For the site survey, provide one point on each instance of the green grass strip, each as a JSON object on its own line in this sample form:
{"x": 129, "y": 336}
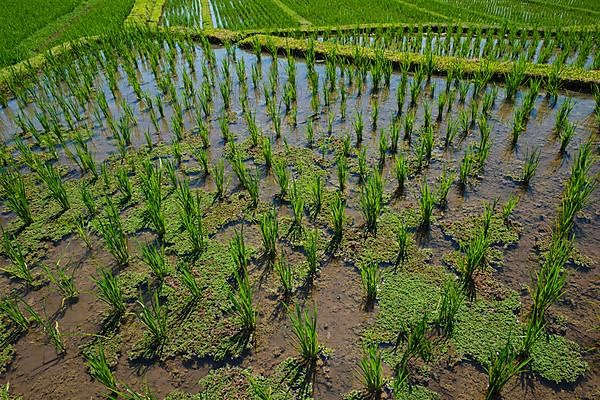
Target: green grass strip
{"x": 293, "y": 14}
{"x": 146, "y": 11}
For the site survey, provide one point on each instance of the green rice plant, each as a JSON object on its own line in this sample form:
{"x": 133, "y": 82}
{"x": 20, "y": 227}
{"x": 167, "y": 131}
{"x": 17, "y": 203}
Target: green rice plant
{"x": 562, "y": 115}
{"x": 417, "y": 345}
{"x": 267, "y": 152}
{"x": 15, "y": 198}
{"x": 359, "y": 126}
{"x": 394, "y": 137}
{"x": 342, "y": 171}
{"x": 151, "y": 188}
{"x": 304, "y": 327}
{"x": 502, "y": 367}
{"x": 55, "y": 337}
{"x": 427, "y": 141}
{"x": 297, "y": 205}
{"x": 519, "y": 124}
{"x": 311, "y": 243}
{"x": 218, "y": 173}
{"x": 374, "y": 113}
{"x": 64, "y": 282}
{"x": 310, "y": 132}
{"x": 466, "y": 167}
{"x": 124, "y": 184}
{"x": 426, "y": 204}
{"x": 446, "y": 181}
{"x": 282, "y": 175}
{"x": 269, "y": 230}
{"x": 13, "y": 250}
{"x": 403, "y": 239}
{"x": 409, "y": 122}
{"x": 338, "y": 209}
{"x": 252, "y": 185}
{"x": 383, "y": 148}
{"x": 238, "y": 252}
{"x": 242, "y": 303}
{"x": 188, "y": 280}
{"x": 201, "y": 156}
{"x": 10, "y": 308}
{"x": 401, "y": 171}
{"x": 531, "y": 163}
{"x": 109, "y": 291}
{"x": 154, "y": 257}
{"x": 371, "y": 199}
{"x": 370, "y": 276}
{"x": 565, "y": 135}
{"x": 111, "y": 229}
{"x": 533, "y": 331}
{"x": 316, "y": 191}
{"x": 473, "y": 259}
{"x": 372, "y": 372}
{"x": 448, "y": 307}
{"x": 285, "y": 274}
{"x": 100, "y": 369}
{"x": 51, "y": 177}
{"x": 508, "y": 208}
{"x": 154, "y": 317}
{"x": 514, "y": 78}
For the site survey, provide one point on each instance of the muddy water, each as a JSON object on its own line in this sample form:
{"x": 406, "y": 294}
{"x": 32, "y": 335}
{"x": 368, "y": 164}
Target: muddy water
{"x": 37, "y": 373}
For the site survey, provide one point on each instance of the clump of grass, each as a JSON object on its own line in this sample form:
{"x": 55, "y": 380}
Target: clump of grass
{"x": 304, "y": 327}
{"x": 403, "y": 239}
{"x": 473, "y": 260}
{"x": 238, "y": 252}
{"x": 502, "y": 367}
{"x": 282, "y": 174}
{"x": 190, "y": 215}
{"x": 285, "y": 274}
{"x": 316, "y": 191}
{"x": 426, "y": 204}
{"x": 13, "y": 250}
{"x": 124, "y": 184}
{"x": 371, "y": 199}
{"x": 342, "y": 171}
{"x": 267, "y": 151}
{"x": 446, "y": 181}
{"x": 100, "y": 369}
{"x": 565, "y": 135}
{"x": 88, "y": 201}
{"x": 370, "y": 275}
{"x": 10, "y": 308}
{"x": 151, "y": 187}
{"x": 154, "y": 257}
{"x": 508, "y": 208}
{"x": 311, "y": 243}
{"x": 297, "y": 205}
{"x": 417, "y": 345}
{"x": 450, "y": 303}
{"x": 372, "y": 372}
{"x": 401, "y": 171}
{"x": 55, "y": 337}
{"x": 338, "y": 209}
{"x": 64, "y": 282}
{"x": 154, "y": 317}
{"x": 242, "y": 303}
{"x": 531, "y": 163}
{"x": 109, "y": 291}
{"x": 111, "y": 229}
{"x": 15, "y": 198}
{"x": 269, "y": 229}
{"x": 51, "y": 177}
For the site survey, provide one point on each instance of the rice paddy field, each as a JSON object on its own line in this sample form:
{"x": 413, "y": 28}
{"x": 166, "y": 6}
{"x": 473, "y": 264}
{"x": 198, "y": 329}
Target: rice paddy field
{"x": 292, "y": 199}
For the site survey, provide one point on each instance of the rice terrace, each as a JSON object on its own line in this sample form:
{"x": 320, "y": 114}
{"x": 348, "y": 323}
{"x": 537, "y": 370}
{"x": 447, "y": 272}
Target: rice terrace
{"x": 299, "y": 199}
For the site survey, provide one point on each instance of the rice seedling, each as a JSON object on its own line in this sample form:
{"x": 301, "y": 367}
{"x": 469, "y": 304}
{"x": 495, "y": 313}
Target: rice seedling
{"x": 267, "y": 152}
{"x": 109, "y": 291}
{"x": 566, "y": 134}
{"x": 111, "y": 229}
{"x": 269, "y": 229}
{"x": 409, "y": 122}
{"x": 533, "y": 331}
{"x": 154, "y": 317}
{"x": 297, "y": 205}
{"x": 446, "y": 181}
{"x": 218, "y": 173}
{"x": 362, "y": 164}
{"x": 124, "y": 184}
{"x": 508, "y": 207}
{"x": 466, "y": 167}
{"x": 426, "y": 204}
{"x": 447, "y": 309}
{"x": 15, "y": 198}
{"x": 282, "y": 175}
{"x": 242, "y": 303}
{"x": 285, "y": 275}
{"x": 370, "y": 276}
{"x": 530, "y": 167}
{"x": 316, "y": 191}
{"x": 372, "y": 372}
{"x": 13, "y": 250}
{"x": 417, "y": 345}
{"x": 337, "y": 215}
{"x": 151, "y": 188}
{"x": 239, "y": 253}
{"x": 359, "y": 126}
{"x": 502, "y": 367}
{"x": 55, "y": 337}
{"x": 100, "y": 369}
{"x": 304, "y": 327}
{"x": 562, "y": 115}
{"x": 64, "y": 282}
{"x": 154, "y": 257}
{"x": 310, "y": 132}
{"x": 342, "y": 171}
{"x": 252, "y": 185}
{"x": 10, "y": 308}
{"x": 311, "y": 242}
{"x": 383, "y": 148}
{"x": 473, "y": 259}
{"x": 371, "y": 199}
{"x": 51, "y": 177}
{"x": 401, "y": 171}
